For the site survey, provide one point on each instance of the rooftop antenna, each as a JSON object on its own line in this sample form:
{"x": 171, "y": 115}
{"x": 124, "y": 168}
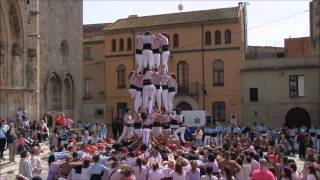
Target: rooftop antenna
{"x": 180, "y": 6}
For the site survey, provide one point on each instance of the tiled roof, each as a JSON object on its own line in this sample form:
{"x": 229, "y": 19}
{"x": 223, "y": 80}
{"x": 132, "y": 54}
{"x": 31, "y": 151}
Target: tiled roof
{"x": 94, "y": 29}
{"x": 175, "y": 18}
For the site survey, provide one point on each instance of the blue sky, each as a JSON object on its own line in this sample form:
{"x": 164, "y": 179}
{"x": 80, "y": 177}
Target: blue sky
{"x": 259, "y": 13}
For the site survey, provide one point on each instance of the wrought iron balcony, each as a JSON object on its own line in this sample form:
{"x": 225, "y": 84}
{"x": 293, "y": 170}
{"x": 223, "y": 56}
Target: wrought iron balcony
{"x": 190, "y": 89}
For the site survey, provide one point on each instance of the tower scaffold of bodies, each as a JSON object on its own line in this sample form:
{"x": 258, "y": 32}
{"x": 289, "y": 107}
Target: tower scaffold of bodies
{"x": 152, "y": 90}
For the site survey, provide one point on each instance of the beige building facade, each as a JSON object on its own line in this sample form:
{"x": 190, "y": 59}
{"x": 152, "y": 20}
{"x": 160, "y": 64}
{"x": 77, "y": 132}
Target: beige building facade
{"x": 206, "y": 55}
{"x": 40, "y": 57}
{"x": 281, "y": 91}
{"x": 94, "y": 84}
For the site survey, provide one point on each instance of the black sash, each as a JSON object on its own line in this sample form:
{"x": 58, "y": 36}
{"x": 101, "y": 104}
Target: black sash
{"x": 132, "y": 86}
{"x": 139, "y": 51}
{"x": 164, "y": 87}
{"x": 157, "y": 86}
{"x": 156, "y": 124}
{"x": 172, "y": 89}
{"x": 147, "y": 126}
{"x": 147, "y": 46}
{"x": 166, "y": 126}
{"x": 139, "y": 89}
{"x": 165, "y": 48}
{"x": 137, "y": 125}
{"x": 156, "y": 51}
{"x": 147, "y": 82}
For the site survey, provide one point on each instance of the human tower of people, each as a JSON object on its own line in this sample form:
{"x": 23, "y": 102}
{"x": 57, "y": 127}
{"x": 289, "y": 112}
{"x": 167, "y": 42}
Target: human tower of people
{"x": 152, "y": 90}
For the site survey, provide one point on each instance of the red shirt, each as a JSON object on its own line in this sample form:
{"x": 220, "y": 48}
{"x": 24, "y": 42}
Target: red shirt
{"x": 262, "y": 174}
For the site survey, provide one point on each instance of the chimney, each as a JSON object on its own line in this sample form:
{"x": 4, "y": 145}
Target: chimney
{"x": 133, "y": 16}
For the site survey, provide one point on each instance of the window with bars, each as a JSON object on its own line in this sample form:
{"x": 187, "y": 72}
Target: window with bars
{"x": 129, "y": 44}
{"x": 88, "y": 87}
{"x": 113, "y": 45}
{"x": 296, "y": 86}
{"x": 254, "y": 96}
{"x": 207, "y": 38}
{"x": 183, "y": 76}
{"x": 218, "y": 73}
{"x": 121, "y": 76}
{"x": 227, "y": 36}
{"x": 87, "y": 53}
{"x": 217, "y": 37}
{"x": 121, "y": 44}
{"x": 175, "y": 40}
{"x": 120, "y": 110}
{"x": 219, "y": 110}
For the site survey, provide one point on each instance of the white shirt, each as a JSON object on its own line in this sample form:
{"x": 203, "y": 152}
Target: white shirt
{"x": 176, "y": 176}
{"x": 311, "y": 177}
{"x": 155, "y": 175}
{"x": 206, "y": 177}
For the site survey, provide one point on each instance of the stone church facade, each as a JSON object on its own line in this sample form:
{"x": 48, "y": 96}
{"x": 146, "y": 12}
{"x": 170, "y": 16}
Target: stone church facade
{"x": 40, "y": 57}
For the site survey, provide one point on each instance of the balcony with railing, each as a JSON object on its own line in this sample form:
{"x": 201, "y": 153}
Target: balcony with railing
{"x": 190, "y": 89}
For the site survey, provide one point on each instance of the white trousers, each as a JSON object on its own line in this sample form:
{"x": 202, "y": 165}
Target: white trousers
{"x": 145, "y": 136}
{"x": 164, "y": 95}
{"x": 132, "y": 93}
{"x": 157, "y": 97}
{"x": 147, "y": 97}
{"x": 137, "y": 101}
{"x": 139, "y": 58}
{"x": 127, "y": 132}
{"x": 156, "y": 131}
{"x": 206, "y": 140}
{"x": 165, "y": 58}
{"x": 147, "y": 58}
{"x": 138, "y": 132}
{"x": 170, "y": 100}
{"x": 180, "y": 130}
{"x": 156, "y": 60}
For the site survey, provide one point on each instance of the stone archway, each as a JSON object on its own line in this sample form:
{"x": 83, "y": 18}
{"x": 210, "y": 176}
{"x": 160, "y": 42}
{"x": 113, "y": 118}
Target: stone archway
{"x": 185, "y": 101}
{"x": 296, "y": 117}
{"x": 53, "y": 93}
{"x": 67, "y": 93}
{"x": 184, "y": 106}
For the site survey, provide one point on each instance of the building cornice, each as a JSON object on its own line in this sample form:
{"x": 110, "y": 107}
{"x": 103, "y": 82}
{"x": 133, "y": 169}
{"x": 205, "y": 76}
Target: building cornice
{"x": 89, "y": 39}
{"x": 182, "y": 51}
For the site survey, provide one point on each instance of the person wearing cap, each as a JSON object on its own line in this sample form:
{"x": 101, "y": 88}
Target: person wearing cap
{"x": 128, "y": 125}
{"x": 147, "y": 54}
{"x": 165, "y": 51}
{"x": 138, "y": 55}
{"x": 263, "y": 173}
{"x": 172, "y": 90}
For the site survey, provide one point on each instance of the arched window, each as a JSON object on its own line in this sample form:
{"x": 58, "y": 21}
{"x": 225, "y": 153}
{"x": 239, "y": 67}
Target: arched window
{"x": 219, "y": 110}
{"x": 218, "y": 73}
{"x": 121, "y": 45}
{"x": 183, "y": 76}
{"x": 121, "y": 75}
{"x": 208, "y": 38}
{"x": 113, "y": 45}
{"x": 67, "y": 94}
{"x": 129, "y": 44}
{"x": 54, "y": 93}
{"x": 175, "y": 40}
{"x": 217, "y": 37}
{"x": 227, "y": 36}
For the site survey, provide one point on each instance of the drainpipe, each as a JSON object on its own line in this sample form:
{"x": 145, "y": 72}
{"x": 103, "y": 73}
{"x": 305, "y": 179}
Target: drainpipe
{"x": 133, "y": 48}
{"x": 202, "y": 53}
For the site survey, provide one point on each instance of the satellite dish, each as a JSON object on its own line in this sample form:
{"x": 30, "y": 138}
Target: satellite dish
{"x": 180, "y": 7}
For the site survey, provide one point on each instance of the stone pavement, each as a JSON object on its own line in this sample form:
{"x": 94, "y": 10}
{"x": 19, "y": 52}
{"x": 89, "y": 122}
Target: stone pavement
{"x": 9, "y": 170}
